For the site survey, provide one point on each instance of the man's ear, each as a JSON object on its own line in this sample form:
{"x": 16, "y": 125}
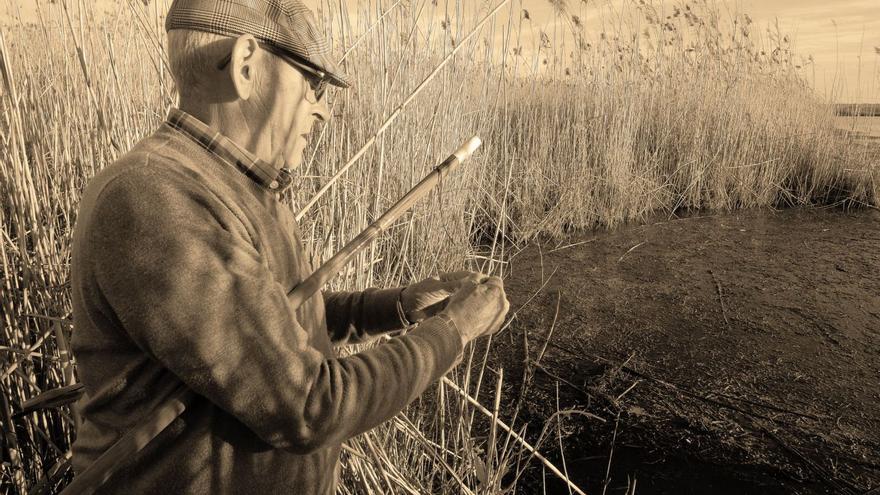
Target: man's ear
{"x": 242, "y": 66}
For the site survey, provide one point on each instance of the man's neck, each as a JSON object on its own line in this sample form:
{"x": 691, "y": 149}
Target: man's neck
{"x": 229, "y": 120}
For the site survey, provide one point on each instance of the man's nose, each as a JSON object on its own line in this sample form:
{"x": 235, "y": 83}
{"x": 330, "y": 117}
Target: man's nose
{"x": 320, "y": 110}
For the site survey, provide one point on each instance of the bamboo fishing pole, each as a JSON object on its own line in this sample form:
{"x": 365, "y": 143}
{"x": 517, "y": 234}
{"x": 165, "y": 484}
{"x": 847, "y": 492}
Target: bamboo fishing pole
{"x": 397, "y": 111}
{"x": 142, "y": 433}
{"x": 331, "y": 267}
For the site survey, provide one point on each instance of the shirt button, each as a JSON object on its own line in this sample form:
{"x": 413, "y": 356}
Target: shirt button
{"x": 273, "y": 185}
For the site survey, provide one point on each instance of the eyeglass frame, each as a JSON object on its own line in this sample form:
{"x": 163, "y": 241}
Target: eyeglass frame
{"x": 317, "y": 79}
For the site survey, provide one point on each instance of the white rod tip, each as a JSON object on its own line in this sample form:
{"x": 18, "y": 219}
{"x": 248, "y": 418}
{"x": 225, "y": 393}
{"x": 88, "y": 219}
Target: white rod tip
{"x": 467, "y": 149}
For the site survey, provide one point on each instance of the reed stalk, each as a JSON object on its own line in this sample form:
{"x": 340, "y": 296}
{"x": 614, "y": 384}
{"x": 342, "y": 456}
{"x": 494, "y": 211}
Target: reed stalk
{"x": 590, "y": 127}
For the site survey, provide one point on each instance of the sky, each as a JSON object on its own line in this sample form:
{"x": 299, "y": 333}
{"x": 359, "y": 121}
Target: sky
{"x": 843, "y": 36}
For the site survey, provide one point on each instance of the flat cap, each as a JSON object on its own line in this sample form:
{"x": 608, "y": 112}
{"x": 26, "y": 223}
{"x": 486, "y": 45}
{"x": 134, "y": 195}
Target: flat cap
{"x": 287, "y": 25}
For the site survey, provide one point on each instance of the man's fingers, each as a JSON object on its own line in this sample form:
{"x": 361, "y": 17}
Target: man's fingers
{"x": 436, "y": 307}
{"x": 463, "y": 284}
{"x": 464, "y": 275}
{"x": 496, "y": 325}
{"x": 478, "y": 277}
{"x": 453, "y": 276}
{"x": 453, "y": 282}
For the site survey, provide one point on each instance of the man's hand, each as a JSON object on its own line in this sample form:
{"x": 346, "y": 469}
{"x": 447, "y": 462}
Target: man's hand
{"x": 428, "y": 297}
{"x": 478, "y": 308}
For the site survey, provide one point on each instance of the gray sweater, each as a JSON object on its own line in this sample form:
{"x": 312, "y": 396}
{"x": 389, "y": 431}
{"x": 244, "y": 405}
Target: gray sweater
{"x": 181, "y": 266}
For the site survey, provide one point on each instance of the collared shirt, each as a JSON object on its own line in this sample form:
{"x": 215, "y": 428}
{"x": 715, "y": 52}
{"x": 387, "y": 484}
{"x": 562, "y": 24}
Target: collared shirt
{"x": 257, "y": 169}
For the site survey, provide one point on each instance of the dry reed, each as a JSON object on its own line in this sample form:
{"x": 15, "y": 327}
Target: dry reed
{"x": 663, "y": 111}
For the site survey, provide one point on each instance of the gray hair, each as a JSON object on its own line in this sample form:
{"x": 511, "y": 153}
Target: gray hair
{"x": 193, "y": 57}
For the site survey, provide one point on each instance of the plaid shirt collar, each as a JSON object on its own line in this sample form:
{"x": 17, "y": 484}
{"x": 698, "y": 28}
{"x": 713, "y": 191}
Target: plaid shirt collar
{"x": 276, "y": 180}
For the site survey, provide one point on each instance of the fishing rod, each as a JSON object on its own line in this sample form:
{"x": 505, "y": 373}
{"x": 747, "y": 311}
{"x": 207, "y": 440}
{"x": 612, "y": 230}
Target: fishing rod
{"x": 397, "y": 111}
{"x": 135, "y": 439}
{"x": 331, "y": 267}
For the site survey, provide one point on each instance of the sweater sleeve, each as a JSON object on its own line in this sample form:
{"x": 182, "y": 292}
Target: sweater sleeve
{"x": 199, "y": 299}
{"x": 357, "y": 317}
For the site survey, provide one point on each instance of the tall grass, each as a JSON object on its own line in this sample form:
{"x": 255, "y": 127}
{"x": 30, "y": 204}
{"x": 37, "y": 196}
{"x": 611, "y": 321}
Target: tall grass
{"x": 660, "y": 112}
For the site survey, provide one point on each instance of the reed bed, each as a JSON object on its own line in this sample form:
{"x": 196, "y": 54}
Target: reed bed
{"x": 660, "y": 111}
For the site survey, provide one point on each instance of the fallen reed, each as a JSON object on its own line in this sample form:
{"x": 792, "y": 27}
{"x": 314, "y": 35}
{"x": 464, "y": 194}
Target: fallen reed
{"x": 658, "y": 111}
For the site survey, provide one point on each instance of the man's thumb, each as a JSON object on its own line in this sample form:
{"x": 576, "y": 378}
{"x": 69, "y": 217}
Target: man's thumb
{"x": 454, "y": 285}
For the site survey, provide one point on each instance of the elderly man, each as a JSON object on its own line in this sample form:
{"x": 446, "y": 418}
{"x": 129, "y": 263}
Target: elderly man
{"x": 182, "y": 261}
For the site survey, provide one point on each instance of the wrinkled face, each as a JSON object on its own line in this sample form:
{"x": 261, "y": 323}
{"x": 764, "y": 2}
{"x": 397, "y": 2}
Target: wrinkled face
{"x": 291, "y": 109}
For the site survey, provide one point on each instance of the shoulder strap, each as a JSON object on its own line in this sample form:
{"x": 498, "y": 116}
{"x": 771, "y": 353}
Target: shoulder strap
{"x": 132, "y": 442}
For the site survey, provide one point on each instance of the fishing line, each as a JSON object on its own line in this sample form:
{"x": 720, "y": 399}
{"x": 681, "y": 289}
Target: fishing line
{"x": 391, "y": 118}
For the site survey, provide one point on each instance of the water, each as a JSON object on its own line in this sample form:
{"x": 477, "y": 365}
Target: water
{"x": 868, "y": 126}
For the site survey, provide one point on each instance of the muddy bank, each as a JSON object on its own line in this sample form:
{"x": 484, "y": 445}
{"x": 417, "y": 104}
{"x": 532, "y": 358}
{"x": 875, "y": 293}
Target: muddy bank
{"x": 733, "y": 353}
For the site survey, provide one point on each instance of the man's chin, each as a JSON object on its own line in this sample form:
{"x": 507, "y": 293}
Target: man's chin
{"x": 293, "y": 163}
{"x": 290, "y": 162}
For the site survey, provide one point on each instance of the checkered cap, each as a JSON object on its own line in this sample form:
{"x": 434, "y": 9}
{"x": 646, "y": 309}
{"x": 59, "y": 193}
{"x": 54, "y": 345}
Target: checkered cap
{"x": 285, "y": 24}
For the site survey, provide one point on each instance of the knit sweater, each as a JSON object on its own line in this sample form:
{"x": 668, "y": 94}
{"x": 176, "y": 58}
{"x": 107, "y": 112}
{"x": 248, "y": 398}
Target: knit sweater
{"x": 180, "y": 273}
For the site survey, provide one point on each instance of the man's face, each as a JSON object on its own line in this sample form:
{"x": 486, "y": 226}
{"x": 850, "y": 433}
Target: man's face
{"x": 292, "y": 109}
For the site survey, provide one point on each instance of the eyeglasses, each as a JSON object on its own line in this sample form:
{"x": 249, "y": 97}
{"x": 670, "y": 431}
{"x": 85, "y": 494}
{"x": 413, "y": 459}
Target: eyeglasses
{"x": 317, "y": 79}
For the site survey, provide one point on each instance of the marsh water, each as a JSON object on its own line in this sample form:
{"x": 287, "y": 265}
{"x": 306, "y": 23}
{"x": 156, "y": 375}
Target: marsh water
{"x": 865, "y": 126}
{"x": 723, "y": 353}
